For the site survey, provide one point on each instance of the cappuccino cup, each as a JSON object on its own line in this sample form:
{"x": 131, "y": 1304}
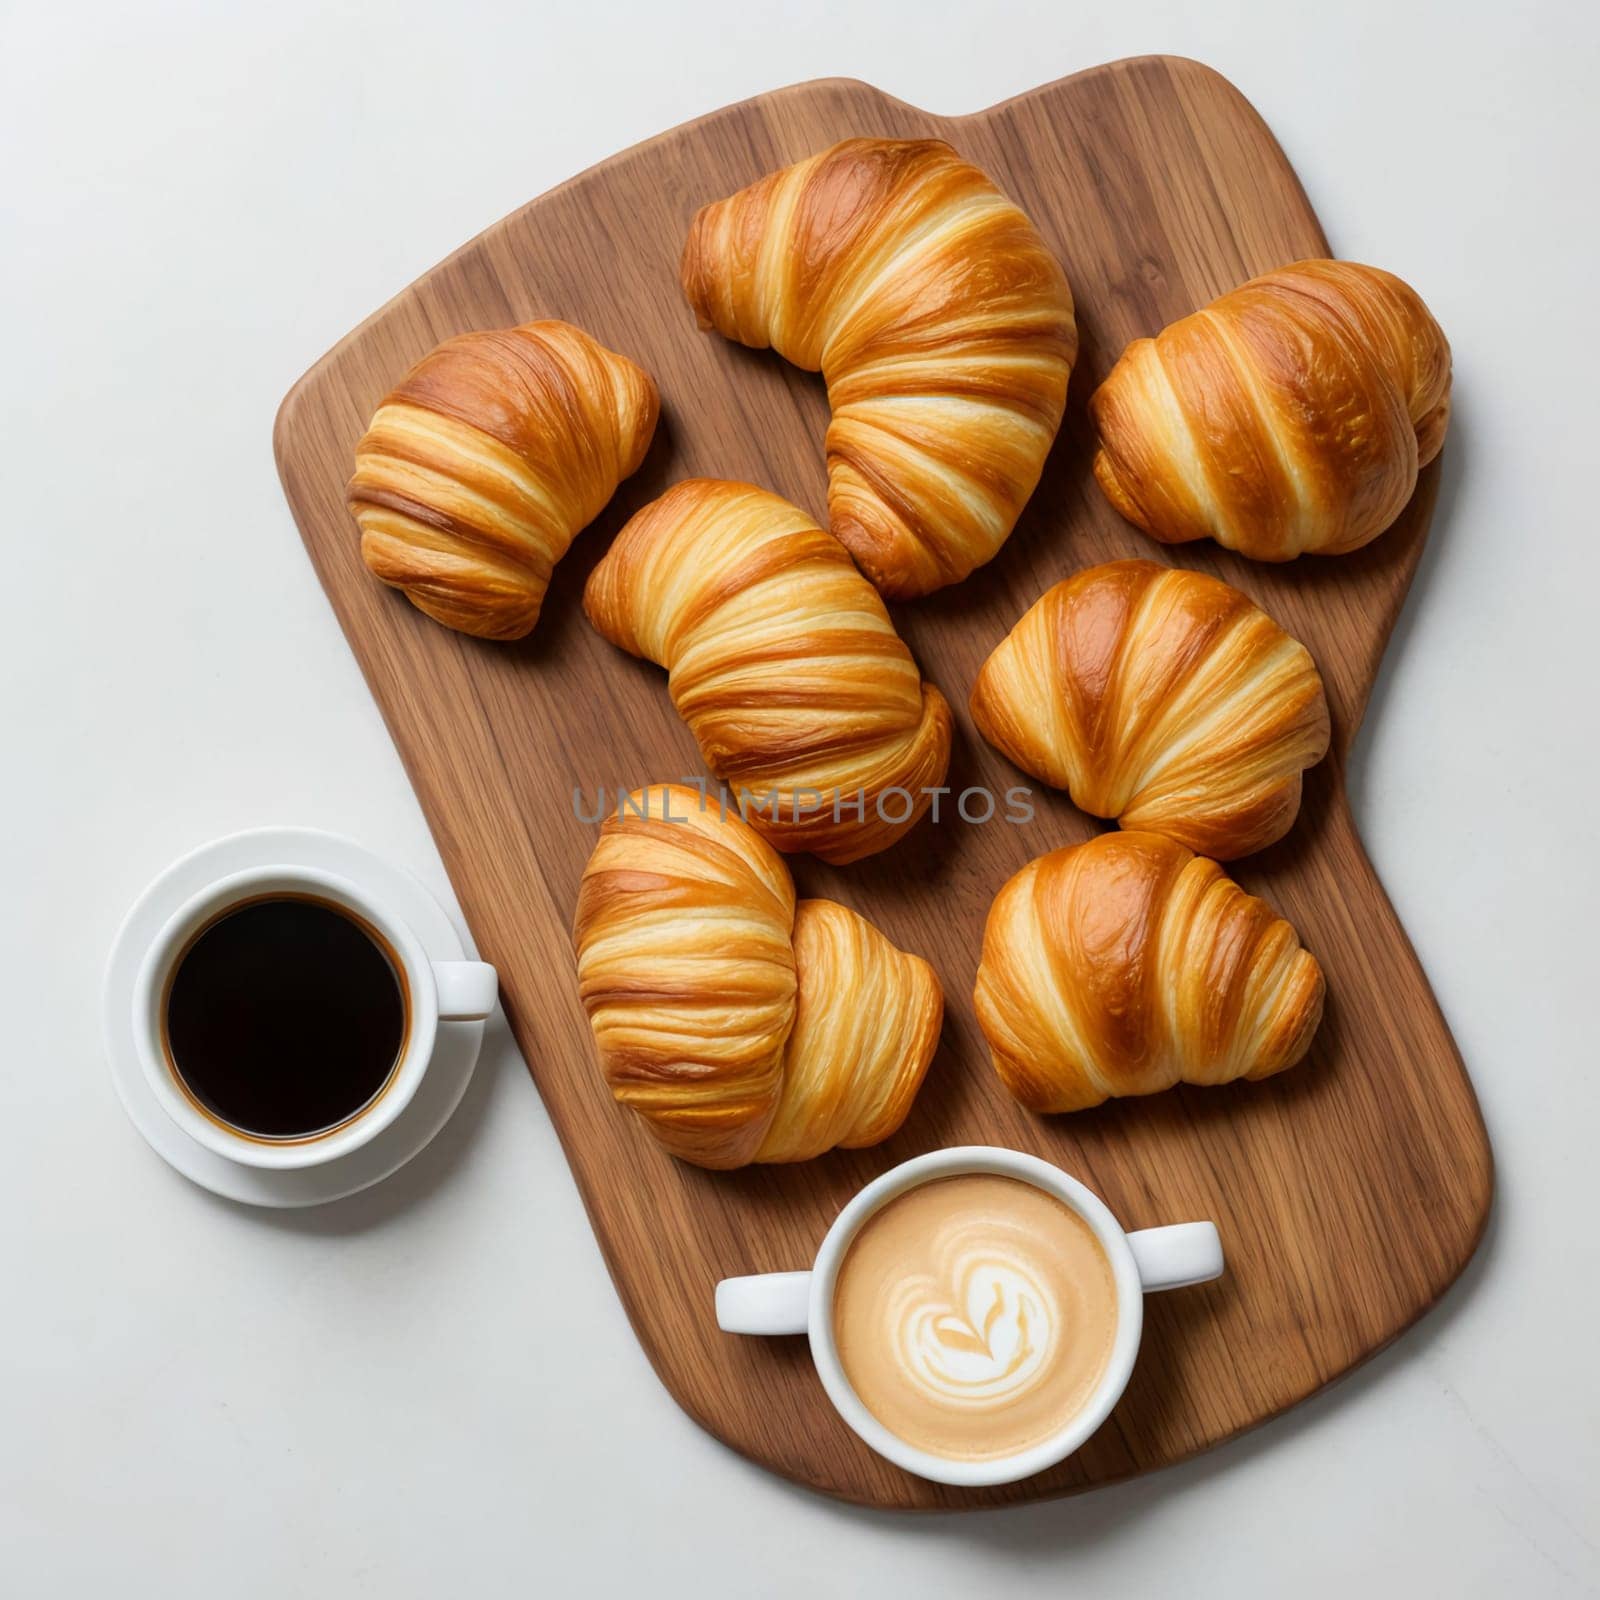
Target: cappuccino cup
{"x": 974, "y": 1314}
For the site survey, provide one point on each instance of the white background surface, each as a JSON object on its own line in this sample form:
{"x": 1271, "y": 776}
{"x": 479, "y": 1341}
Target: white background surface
{"x": 432, "y": 1389}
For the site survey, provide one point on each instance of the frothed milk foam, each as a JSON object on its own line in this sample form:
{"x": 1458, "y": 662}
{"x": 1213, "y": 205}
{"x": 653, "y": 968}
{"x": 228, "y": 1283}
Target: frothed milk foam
{"x": 974, "y": 1316}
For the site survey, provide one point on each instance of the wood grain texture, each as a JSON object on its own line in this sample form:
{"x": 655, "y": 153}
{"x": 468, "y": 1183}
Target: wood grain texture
{"x": 1349, "y": 1191}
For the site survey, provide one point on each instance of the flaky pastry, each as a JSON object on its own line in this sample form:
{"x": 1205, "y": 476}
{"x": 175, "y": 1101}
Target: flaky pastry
{"x": 940, "y": 321}
{"x": 486, "y": 459}
{"x": 1160, "y": 697}
{"x": 1290, "y": 416}
{"x": 740, "y": 1025}
{"x": 782, "y": 660}
{"x": 1128, "y": 964}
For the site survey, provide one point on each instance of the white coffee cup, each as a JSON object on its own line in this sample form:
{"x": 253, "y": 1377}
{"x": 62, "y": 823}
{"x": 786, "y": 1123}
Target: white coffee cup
{"x": 802, "y": 1302}
{"x": 436, "y": 991}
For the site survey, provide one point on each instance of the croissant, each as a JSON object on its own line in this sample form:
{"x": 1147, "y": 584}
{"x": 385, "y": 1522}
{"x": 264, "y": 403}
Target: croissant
{"x": 484, "y": 462}
{"x": 783, "y": 662}
{"x": 1162, "y": 698}
{"x": 1291, "y": 415}
{"x": 740, "y": 1025}
{"x": 940, "y": 321}
{"x": 1128, "y": 964}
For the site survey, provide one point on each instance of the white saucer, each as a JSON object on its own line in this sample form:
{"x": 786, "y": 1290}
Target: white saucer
{"x": 455, "y": 1054}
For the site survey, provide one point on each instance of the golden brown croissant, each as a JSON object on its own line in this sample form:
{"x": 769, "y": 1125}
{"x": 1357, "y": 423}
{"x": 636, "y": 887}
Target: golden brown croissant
{"x": 740, "y": 1025}
{"x": 940, "y": 321}
{"x": 1126, "y": 965}
{"x": 783, "y": 662}
{"x": 484, "y": 462}
{"x": 1162, "y": 698}
{"x": 1291, "y": 415}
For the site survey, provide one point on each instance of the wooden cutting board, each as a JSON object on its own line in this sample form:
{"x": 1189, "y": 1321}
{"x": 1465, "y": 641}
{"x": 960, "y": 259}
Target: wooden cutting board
{"x": 1349, "y": 1191}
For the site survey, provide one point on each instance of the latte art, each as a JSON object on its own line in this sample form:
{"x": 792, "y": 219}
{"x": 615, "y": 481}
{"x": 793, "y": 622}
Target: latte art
{"x": 992, "y": 1338}
{"x": 974, "y": 1315}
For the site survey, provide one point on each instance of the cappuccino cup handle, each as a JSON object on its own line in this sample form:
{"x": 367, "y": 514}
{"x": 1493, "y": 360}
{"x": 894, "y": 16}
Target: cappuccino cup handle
{"x": 1176, "y": 1256}
{"x": 467, "y": 990}
{"x": 772, "y": 1302}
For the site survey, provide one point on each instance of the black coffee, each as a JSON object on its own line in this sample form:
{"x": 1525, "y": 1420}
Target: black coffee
{"x": 285, "y": 1017}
